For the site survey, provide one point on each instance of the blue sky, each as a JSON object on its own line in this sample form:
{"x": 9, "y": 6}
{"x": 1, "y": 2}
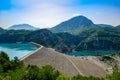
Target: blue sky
{"x": 48, "y": 13}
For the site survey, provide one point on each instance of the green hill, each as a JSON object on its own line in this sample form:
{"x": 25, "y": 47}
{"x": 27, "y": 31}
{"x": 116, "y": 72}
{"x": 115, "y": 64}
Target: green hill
{"x": 75, "y": 34}
{"x": 90, "y": 39}
{"x": 75, "y": 23}
{"x": 101, "y": 39}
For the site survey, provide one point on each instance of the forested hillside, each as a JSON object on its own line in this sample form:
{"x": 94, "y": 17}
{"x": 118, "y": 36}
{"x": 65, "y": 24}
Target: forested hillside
{"x": 90, "y": 39}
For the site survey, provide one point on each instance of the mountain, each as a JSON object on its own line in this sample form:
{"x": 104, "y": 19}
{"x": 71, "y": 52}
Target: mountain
{"x": 91, "y": 39}
{"x": 104, "y": 25}
{"x": 43, "y": 37}
{"x": 117, "y": 27}
{"x": 75, "y": 23}
{"x": 89, "y": 36}
{"x": 1, "y": 28}
{"x": 22, "y": 26}
{"x": 100, "y": 39}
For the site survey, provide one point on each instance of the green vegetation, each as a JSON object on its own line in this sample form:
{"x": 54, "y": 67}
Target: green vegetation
{"x": 100, "y": 39}
{"x": 76, "y": 34}
{"x": 43, "y": 37}
{"x": 90, "y": 39}
{"x": 15, "y": 70}
{"x": 118, "y": 54}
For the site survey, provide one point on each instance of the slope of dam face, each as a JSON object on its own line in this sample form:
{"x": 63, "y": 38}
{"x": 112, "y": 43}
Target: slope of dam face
{"x": 46, "y": 56}
{"x": 68, "y": 65}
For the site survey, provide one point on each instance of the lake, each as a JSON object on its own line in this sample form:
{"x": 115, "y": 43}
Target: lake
{"x": 18, "y": 50}
{"x": 21, "y": 50}
{"x": 92, "y": 53}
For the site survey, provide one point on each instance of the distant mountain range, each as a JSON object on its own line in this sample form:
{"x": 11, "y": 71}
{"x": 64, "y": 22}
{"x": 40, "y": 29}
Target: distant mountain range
{"x": 22, "y": 26}
{"x": 104, "y": 25}
{"x": 73, "y": 25}
{"x": 76, "y": 34}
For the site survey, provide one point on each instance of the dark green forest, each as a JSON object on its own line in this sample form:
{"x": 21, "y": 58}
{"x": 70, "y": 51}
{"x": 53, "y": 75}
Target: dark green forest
{"x": 75, "y": 34}
{"x": 107, "y": 38}
{"x": 16, "y": 70}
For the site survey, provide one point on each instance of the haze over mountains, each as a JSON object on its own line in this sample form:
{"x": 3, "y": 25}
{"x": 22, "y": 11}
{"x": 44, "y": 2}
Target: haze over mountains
{"x": 75, "y": 34}
{"x": 73, "y": 24}
{"x": 104, "y": 25}
{"x": 22, "y": 26}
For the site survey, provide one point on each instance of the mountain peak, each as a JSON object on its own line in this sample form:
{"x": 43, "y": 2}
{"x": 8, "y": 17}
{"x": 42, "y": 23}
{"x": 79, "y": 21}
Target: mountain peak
{"x": 74, "y": 23}
{"x": 79, "y": 17}
{"x": 22, "y": 26}
{"x": 82, "y": 20}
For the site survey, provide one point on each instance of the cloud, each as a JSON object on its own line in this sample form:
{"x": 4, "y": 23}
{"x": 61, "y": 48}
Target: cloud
{"x": 48, "y": 13}
{"x": 40, "y": 13}
{"x": 76, "y": 14}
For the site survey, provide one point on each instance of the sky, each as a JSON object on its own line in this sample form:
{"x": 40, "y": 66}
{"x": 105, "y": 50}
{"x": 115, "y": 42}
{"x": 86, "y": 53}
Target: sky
{"x": 48, "y": 13}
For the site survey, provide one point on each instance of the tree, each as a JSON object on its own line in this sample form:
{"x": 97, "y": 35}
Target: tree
{"x": 16, "y": 63}
{"x": 49, "y": 73}
{"x": 63, "y": 77}
{"x": 4, "y": 55}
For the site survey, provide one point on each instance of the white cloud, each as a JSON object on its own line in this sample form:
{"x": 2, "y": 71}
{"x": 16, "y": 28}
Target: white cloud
{"x": 76, "y": 14}
{"x": 48, "y": 13}
{"x": 40, "y": 13}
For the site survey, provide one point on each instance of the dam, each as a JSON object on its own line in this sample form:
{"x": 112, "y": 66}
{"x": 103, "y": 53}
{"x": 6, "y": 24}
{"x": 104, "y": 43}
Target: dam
{"x": 69, "y": 65}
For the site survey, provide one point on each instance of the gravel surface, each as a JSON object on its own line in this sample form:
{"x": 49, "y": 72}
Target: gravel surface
{"x": 69, "y": 65}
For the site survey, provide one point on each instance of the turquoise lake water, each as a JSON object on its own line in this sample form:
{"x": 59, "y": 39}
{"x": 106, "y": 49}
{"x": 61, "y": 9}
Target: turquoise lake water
{"x": 92, "y": 53}
{"x": 18, "y": 50}
{"x": 21, "y": 50}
